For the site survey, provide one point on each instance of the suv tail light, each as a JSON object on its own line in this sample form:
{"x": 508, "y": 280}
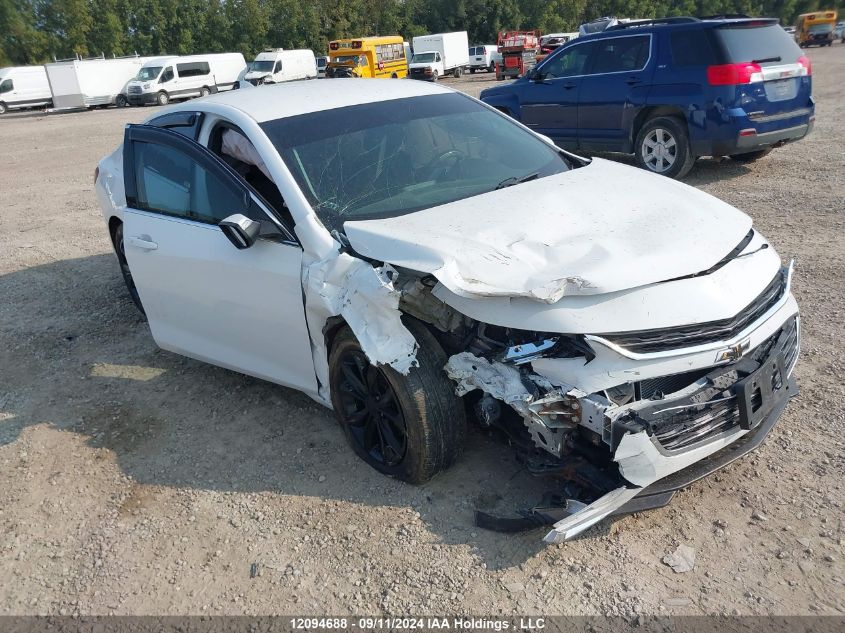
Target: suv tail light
{"x": 734, "y": 74}
{"x": 805, "y": 62}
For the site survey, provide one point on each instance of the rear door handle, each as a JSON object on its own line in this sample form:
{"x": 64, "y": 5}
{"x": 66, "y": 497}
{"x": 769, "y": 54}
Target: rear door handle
{"x": 633, "y": 80}
{"x": 569, "y": 86}
{"x": 144, "y": 243}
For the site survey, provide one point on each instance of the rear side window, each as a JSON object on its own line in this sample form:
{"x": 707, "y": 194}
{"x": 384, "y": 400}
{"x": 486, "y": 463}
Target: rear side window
{"x": 744, "y": 43}
{"x": 692, "y": 48}
{"x": 620, "y": 54}
{"x": 193, "y": 69}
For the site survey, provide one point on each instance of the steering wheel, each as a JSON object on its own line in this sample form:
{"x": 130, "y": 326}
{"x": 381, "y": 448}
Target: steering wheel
{"x": 440, "y": 165}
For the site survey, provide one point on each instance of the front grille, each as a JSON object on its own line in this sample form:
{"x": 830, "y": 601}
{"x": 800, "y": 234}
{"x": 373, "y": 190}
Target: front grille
{"x": 659, "y": 340}
{"x": 684, "y": 427}
{"x": 134, "y": 90}
{"x": 418, "y": 72}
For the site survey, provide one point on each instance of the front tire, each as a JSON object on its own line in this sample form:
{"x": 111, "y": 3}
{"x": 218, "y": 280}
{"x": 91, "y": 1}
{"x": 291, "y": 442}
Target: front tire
{"x": 121, "y": 101}
{"x": 204, "y": 91}
{"x": 434, "y": 76}
{"x": 409, "y": 427}
{"x": 750, "y": 157}
{"x": 3, "y": 108}
{"x": 120, "y": 249}
{"x": 163, "y": 98}
{"x": 663, "y": 147}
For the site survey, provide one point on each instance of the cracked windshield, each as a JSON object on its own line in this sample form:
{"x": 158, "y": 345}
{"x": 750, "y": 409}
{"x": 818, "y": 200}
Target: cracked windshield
{"x": 386, "y": 159}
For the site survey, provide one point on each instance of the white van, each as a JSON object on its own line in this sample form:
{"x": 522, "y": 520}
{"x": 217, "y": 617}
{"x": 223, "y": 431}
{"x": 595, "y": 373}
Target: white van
{"x": 484, "y": 57}
{"x": 24, "y": 87}
{"x": 162, "y": 79}
{"x": 276, "y": 65}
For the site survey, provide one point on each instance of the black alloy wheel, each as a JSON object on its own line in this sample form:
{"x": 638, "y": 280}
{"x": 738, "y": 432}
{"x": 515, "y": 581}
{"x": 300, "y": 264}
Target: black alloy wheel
{"x": 371, "y": 412}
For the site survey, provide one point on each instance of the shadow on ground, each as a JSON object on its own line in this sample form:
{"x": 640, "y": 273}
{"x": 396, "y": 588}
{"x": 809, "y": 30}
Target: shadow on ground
{"x": 77, "y": 356}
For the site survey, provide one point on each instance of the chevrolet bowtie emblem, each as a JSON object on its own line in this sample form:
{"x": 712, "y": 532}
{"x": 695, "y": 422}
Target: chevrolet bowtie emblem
{"x": 734, "y": 352}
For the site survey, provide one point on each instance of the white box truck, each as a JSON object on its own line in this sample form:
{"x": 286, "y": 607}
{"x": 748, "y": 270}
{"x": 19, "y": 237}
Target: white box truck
{"x": 23, "y": 87}
{"x": 276, "y": 65}
{"x": 84, "y": 83}
{"x": 163, "y": 79}
{"x": 438, "y": 55}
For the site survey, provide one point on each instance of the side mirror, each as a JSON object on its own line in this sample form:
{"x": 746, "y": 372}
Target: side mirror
{"x": 241, "y": 231}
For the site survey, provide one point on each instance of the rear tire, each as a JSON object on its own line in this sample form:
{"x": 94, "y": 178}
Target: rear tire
{"x": 120, "y": 249}
{"x": 663, "y": 147}
{"x": 409, "y": 427}
{"x": 750, "y": 157}
{"x": 162, "y": 98}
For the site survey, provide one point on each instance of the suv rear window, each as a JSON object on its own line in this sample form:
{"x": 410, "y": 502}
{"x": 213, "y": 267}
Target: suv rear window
{"x": 744, "y": 43}
{"x": 692, "y": 48}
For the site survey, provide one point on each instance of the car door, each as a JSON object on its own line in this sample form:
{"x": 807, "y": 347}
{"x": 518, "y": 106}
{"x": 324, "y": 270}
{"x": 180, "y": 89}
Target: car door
{"x": 549, "y": 99}
{"x": 204, "y": 298}
{"x": 615, "y": 88}
{"x": 169, "y": 82}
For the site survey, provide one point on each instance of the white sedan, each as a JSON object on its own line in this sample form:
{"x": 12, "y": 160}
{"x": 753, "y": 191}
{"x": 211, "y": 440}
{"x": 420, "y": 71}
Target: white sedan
{"x": 410, "y": 257}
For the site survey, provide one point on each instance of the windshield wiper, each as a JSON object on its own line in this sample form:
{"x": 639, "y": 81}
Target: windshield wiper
{"x": 766, "y": 60}
{"x": 513, "y": 180}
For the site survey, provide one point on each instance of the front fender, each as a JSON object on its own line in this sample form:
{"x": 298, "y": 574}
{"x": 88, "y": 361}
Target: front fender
{"x": 507, "y": 103}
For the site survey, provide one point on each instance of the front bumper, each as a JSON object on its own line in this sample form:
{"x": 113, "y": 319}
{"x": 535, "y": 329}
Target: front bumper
{"x": 143, "y": 98}
{"x": 716, "y": 435}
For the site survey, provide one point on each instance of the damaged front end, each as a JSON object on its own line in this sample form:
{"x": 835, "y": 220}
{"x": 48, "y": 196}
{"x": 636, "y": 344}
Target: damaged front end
{"x": 628, "y": 446}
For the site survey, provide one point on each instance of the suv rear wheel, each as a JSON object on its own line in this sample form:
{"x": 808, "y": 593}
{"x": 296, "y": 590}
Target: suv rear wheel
{"x": 663, "y": 147}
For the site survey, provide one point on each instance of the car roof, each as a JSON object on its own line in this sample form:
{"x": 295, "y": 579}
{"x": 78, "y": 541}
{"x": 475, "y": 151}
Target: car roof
{"x": 278, "y": 101}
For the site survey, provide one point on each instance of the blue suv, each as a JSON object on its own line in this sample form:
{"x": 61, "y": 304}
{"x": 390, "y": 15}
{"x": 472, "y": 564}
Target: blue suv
{"x": 669, "y": 91}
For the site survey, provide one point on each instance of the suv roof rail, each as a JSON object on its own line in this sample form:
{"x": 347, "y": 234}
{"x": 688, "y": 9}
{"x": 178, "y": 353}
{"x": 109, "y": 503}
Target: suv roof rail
{"x": 656, "y": 21}
{"x": 724, "y": 16}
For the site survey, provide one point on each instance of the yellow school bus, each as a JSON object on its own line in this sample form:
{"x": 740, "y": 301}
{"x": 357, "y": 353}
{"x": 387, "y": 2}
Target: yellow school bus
{"x": 368, "y": 57}
{"x": 815, "y": 28}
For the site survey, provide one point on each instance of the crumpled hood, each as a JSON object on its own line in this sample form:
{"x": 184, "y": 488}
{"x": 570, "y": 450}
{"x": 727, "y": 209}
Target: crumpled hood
{"x": 596, "y": 229}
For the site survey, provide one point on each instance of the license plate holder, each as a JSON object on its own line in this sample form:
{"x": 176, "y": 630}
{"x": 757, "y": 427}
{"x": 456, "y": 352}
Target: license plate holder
{"x": 761, "y": 391}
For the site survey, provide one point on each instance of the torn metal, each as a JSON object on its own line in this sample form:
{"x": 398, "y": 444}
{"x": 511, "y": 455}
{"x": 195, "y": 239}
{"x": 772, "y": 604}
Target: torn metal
{"x": 364, "y": 295}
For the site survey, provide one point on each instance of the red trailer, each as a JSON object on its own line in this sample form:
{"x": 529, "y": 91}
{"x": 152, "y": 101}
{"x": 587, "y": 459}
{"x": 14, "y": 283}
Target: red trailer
{"x": 519, "y": 51}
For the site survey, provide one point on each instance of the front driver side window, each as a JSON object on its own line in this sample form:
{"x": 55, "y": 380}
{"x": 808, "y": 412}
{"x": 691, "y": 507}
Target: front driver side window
{"x": 6, "y": 86}
{"x": 167, "y": 75}
{"x": 278, "y": 67}
{"x": 171, "y": 182}
{"x": 570, "y": 63}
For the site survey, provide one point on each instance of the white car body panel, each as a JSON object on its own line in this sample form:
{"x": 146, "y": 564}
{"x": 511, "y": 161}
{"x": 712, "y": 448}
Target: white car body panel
{"x": 210, "y": 301}
{"x": 576, "y": 236}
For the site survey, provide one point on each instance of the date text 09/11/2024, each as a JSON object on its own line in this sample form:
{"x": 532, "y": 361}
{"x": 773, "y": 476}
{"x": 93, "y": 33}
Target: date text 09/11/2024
{"x": 419, "y": 624}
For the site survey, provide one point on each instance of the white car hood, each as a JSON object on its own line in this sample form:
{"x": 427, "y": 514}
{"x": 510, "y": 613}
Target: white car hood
{"x": 596, "y": 229}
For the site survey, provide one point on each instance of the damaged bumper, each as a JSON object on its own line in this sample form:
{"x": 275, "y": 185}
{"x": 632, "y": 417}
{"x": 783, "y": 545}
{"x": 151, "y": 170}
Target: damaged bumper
{"x": 722, "y": 429}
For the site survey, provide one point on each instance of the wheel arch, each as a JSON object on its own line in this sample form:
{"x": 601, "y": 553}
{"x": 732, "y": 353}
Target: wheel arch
{"x": 650, "y": 112}
{"x": 114, "y": 222}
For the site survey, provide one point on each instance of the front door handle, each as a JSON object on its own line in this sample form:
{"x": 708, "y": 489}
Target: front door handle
{"x": 569, "y": 86}
{"x": 632, "y": 80}
{"x": 143, "y": 242}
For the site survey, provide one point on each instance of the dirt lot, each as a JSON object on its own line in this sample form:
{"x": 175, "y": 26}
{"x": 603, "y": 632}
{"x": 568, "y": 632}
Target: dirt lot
{"x": 134, "y": 481}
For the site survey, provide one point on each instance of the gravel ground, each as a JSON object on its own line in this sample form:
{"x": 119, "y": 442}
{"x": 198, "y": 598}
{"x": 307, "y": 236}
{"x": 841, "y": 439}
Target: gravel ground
{"x": 134, "y": 481}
